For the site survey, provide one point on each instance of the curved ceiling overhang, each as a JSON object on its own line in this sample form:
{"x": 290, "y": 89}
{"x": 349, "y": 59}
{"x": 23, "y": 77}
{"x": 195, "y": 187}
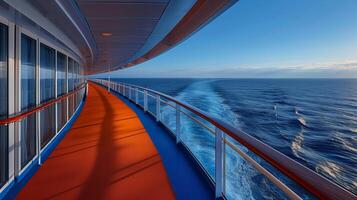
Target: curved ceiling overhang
{"x": 200, "y": 14}
{"x": 115, "y": 34}
{"x": 139, "y": 31}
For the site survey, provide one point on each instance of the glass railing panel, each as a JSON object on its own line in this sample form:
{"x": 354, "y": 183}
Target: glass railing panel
{"x": 200, "y": 140}
{"x": 61, "y": 114}
{"x": 255, "y": 183}
{"x": 47, "y": 124}
{"x": 168, "y": 115}
{"x": 4, "y": 154}
{"x": 152, "y": 104}
{"x": 28, "y": 139}
{"x": 70, "y": 106}
{"x": 75, "y": 102}
{"x": 131, "y": 94}
{"x": 141, "y": 98}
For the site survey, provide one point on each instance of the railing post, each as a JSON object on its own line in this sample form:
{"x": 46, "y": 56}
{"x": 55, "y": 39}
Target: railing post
{"x": 108, "y": 85}
{"x": 129, "y": 92}
{"x": 219, "y": 163}
{"x": 145, "y": 101}
{"x": 178, "y": 123}
{"x": 136, "y": 95}
{"x": 158, "y": 108}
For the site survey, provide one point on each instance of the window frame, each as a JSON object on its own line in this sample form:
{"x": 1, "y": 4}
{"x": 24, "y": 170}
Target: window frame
{"x": 8, "y": 178}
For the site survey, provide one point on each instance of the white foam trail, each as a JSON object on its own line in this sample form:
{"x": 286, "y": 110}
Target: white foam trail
{"x": 329, "y": 168}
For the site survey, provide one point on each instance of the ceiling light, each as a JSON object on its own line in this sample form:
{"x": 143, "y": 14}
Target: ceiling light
{"x": 107, "y": 34}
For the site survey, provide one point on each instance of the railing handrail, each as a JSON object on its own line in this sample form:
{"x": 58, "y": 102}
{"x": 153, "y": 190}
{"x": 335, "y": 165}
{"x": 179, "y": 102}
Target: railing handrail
{"x": 21, "y": 115}
{"x": 313, "y": 182}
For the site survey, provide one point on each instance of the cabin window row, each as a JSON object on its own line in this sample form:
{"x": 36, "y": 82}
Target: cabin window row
{"x": 44, "y": 73}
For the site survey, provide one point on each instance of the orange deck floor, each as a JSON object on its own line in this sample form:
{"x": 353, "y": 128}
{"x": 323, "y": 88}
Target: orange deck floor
{"x": 107, "y": 154}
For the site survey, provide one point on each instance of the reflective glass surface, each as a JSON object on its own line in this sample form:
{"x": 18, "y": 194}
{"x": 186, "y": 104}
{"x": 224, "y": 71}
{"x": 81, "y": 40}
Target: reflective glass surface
{"x": 3, "y": 103}
{"x": 47, "y": 92}
{"x": 70, "y": 86}
{"x": 61, "y": 73}
{"x": 28, "y": 98}
{"x": 61, "y": 89}
{"x": 70, "y": 74}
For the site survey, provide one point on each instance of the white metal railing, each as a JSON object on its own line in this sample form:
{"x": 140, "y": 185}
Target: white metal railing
{"x": 306, "y": 178}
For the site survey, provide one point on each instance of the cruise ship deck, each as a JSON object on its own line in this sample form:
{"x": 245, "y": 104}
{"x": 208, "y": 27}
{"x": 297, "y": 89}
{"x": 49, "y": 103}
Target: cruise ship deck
{"x": 109, "y": 154}
{"x": 66, "y": 134}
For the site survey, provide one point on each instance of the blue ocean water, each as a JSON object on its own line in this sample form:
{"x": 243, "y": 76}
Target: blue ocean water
{"x": 313, "y": 121}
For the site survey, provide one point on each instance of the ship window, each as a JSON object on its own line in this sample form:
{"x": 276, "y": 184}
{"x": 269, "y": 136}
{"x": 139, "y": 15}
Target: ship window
{"x": 70, "y": 86}
{"x": 70, "y": 74}
{"x": 28, "y": 98}
{"x": 61, "y": 89}
{"x": 47, "y": 92}
{"x": 76, "y": 83}
{"x": 3, "y": 103}
{"x": 77, "y": 73}
{"x": 61, "y": 73}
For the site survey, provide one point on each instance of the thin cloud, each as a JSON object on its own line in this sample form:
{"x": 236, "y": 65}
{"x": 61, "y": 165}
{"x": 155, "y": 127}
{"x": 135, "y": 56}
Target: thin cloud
{"x": 346, "y": 69}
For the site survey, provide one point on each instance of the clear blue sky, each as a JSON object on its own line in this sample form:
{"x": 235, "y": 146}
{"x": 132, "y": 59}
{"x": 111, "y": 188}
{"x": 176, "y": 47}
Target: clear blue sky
{"x": 266, "y": 38}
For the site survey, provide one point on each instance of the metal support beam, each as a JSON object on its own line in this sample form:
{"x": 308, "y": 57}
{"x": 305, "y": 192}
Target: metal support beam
{"x": 129, "y": 92}
{"x": 136, "y": 95}
{"x": 158, "y": 113}
{"x": 178, "y": 124}
{"x": 219, "y": 163}
{"x": 109, "y": 81}
{"x": 145, "y": 101}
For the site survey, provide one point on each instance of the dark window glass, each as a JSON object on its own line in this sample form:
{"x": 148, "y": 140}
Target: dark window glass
{"x": 76, "y": 74}
{"x": 61, "y": 73}
{"x": 70, "y": 74}
{"x": 70, "y": 106}
{"x": 70, "y": 86}
{"x": 28, "y": 98}
{"x": 61, "y": 89}
{"x": 47, "y": 73}
{"x": 61, "y": 114}
{"x": 47, "y": 92}
{"x": 4, "y": 146}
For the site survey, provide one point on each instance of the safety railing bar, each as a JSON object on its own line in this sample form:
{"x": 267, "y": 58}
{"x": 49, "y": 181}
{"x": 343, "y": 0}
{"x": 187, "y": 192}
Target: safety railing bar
{"x": 140, "y": 106}
{"x": 192, "y": 118}
{"x": 305, "y": 177}
{"x": 167, "y": 103}
{"x": 151, "y": 113}
{"x": 20, "y": 116}
{"x": 149, "y": 95}
{"x": 199, "y": 122}
{"x": 291, "y": 194}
